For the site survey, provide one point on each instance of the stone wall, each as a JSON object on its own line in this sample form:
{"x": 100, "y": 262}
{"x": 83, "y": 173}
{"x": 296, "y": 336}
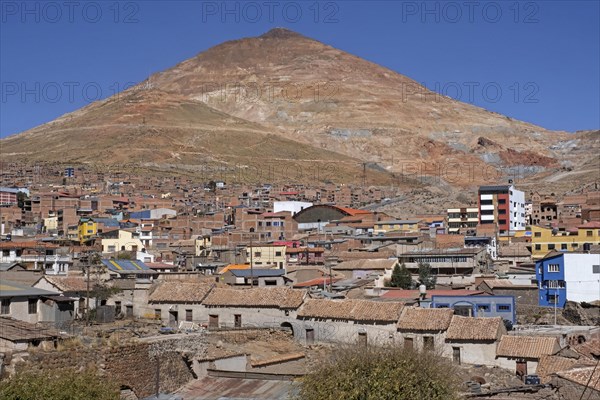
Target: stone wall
{"x": 131, "y": 365}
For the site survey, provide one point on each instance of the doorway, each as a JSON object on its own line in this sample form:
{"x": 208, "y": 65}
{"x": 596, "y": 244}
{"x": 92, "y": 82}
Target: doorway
{"x": 310, "y": 335}
{"x": 521, "y": 369}
{"x": 173, "y": 318}
{"x": 456, "y": 354}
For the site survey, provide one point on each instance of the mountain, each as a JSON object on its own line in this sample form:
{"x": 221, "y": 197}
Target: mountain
{"x": 282, "y": 96}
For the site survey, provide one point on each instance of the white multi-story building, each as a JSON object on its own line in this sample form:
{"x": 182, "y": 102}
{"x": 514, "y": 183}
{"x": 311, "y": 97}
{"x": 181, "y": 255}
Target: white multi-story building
{"x": 504, "y": 206}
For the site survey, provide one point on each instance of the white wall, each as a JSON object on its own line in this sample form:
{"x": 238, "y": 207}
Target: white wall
{"x": 582, "y": 284}
{"x": 474, "y": 353}
{"x": 511, "y": 364}
{"x": 291, "y": 206}
{"x": 518, "y": 222}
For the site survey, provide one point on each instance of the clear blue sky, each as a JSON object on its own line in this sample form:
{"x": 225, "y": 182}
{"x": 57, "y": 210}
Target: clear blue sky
{"x": 544, "y": 56}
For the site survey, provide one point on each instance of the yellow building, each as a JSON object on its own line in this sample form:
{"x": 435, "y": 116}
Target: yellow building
{"x": 87, "y": 229}
{"x": 396, "y": 226}
{"x": 121, "y": 240}
{"x": 544, "y": 240}
{"x": 264, "y": 256}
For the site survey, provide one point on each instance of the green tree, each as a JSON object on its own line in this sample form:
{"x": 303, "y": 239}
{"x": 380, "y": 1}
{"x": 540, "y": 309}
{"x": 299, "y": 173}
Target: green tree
{"x": 21, "y": 197}
{"x": 58, "y": 385}
{"x": 401, "y": 277}
{"x": 381, "y": 373}
{"x": 426, "y": 276}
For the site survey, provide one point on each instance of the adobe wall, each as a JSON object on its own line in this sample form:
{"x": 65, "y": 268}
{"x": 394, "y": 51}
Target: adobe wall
{"x": 132, "y": 365}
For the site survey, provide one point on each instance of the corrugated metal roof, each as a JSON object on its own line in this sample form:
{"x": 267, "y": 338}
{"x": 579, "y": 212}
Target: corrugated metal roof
{"x": 16, "y": 331}
{"x": 257, "y": 272}
{"x": 125, "y": 265}
{"x": 210, "y": 388}
{"x": 14, "y": 289}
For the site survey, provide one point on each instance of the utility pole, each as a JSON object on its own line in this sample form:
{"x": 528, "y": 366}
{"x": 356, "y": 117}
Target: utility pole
{"x": 555, "y": 303}
{"x": 251, "y": 264}
{"x": 87, "y": 296}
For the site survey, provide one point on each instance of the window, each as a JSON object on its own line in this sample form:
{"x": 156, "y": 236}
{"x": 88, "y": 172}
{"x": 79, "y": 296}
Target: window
{"x": 538, "y": 246}
{"x": 502, "y": 221}
{"x": 157, "y": 313}
{"x": 277, "y": 254}
{"x": 32, "y": 306}
{"x": 111, "y": 249}
{"x": 563, "y": 246}
{"x": 501, "y": 211}
{"x": 551, "y": 246}
{"x": 552, "y": 299}
{"x": 553, "y": 268}
{"x": 5, "y": 306}
{"x": 501, "y": 201}
{"x": 257, "y": 254}
{"x": 575, "y": 245}
{"x": 503, "y": 307}
{"x": 596, "y": 269}
{"x": 537, "y": 234}
{"x": 555, "y": 284}
{"x": 483, "y": 307}
{"x": 443, "y": 305}
{"x": 189, "y": 315}
{"x": 589, "y": 233}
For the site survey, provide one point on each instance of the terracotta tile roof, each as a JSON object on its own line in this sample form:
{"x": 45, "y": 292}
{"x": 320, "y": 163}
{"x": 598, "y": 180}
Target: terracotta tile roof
{"x": 27, "y": 245}
{"x": 296, "y": 250}
{"x": 469, "y": 328}
{"x": 367, "y": 264}
{"x": 179, "y": 292}
{"x": 589, "y": 349}
{"x": 414, "y": 294}
{"x": 425, "y": 319}
{"x": 353, "y": 211}
{"x": 352, "y": 310}
{"x": 259, "y": 297}
{"x": 552, "y": 364}
{"x": 582, "y": 376}
{"x": 591, "y": 225}
{"x": 69, "y": 283}
{"x": 527, "y": 346}
{"x": 316, "y": 282}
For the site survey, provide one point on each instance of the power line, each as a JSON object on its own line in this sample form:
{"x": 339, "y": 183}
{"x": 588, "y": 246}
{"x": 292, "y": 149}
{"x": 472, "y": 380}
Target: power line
{"x": 589, "y": 380}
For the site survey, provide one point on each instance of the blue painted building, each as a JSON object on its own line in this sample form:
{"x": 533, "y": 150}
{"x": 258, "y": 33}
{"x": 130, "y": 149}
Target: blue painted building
{"x": 550, "y": 274}
{"x": 478, "y": 306}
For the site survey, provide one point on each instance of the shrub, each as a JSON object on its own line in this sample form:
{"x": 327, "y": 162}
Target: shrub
{"x": 381, "y": 373}
{"x": 58, "y": 385}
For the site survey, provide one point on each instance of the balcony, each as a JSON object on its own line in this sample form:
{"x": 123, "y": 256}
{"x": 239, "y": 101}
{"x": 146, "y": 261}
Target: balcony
{"x": 48, "y": 258}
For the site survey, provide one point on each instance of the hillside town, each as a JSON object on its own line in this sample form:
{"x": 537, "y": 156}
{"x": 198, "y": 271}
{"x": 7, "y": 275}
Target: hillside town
{"x": 228, "y": 282}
